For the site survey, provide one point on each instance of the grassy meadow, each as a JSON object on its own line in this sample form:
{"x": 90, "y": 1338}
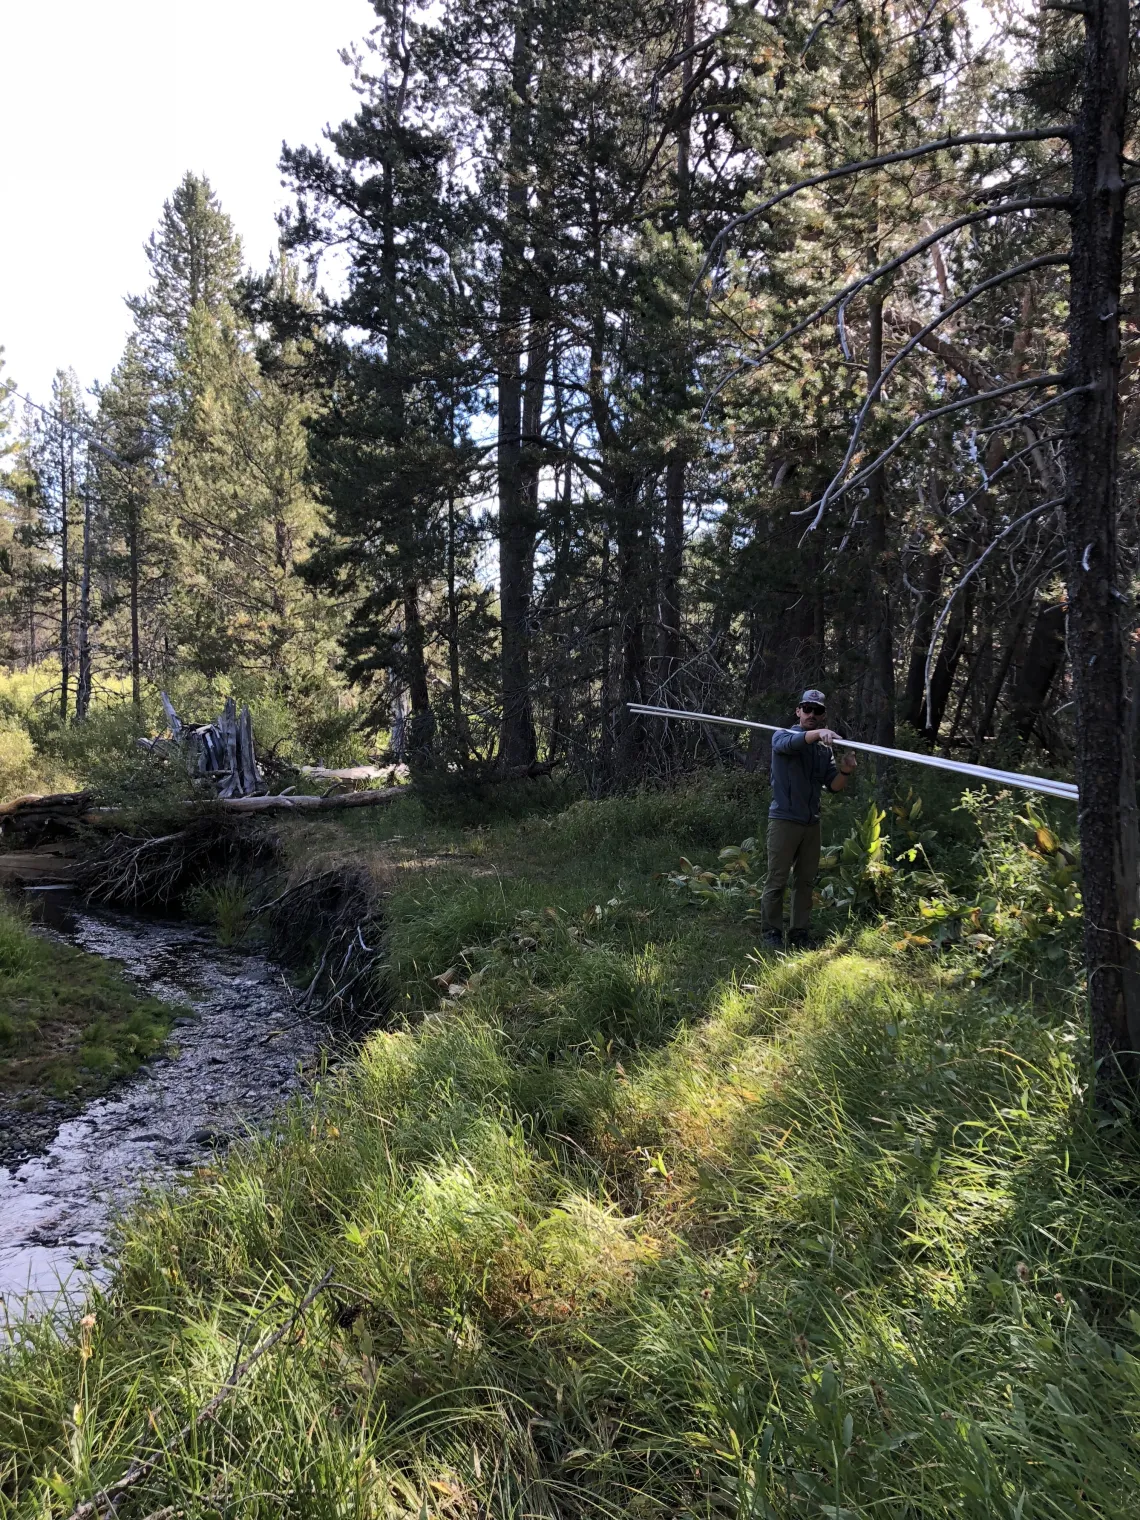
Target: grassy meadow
{"x": 617, "y": 1216}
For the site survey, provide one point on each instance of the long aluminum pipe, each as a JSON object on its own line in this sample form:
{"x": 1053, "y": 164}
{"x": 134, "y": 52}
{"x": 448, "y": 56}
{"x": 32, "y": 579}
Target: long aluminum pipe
{"x": 1051, "y": 788}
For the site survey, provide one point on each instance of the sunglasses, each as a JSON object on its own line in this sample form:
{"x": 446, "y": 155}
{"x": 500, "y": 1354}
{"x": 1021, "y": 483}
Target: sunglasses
{"x": 816, "y": 712}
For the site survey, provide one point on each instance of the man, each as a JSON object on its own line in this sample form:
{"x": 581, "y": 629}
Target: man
{"x": 802, "y": 765}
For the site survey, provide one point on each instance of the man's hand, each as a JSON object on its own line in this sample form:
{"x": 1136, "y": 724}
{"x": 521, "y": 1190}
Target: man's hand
{"x": 822, "y": 736}
{"x": 848, "y": 765}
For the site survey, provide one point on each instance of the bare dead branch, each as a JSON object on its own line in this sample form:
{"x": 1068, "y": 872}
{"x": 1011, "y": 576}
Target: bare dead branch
{"x": 1007, "y": 208}
{"x": 902, "y": 155}
{"x": 1018, "y": 418}
{"x": 939, "y": 411}
{"x": 830, "y": 14}
{"x": 914, "y": 342}
{"x": 1037, "y": 511}
{"x": 1007, "y": 464}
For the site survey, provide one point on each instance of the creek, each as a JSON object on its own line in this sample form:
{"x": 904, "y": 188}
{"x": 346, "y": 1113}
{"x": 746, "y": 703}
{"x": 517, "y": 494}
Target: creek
{"x": 238, "y": 1048}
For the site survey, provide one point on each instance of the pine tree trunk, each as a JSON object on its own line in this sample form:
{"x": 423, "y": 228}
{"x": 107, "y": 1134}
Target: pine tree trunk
{"x": 133, "y": 550}
{"x": 83, "y": 688}
{"x": 881, "y": 652}
{"x": 517, "y": 745}
{"x": 64, "y": 573}
{"x": 946, "y": 665}
{"x": 422, "y": 728}
{"x": 630, "y": 727}
{"x": 1104, "y": 765}
{"x": 1043, "y": 659}
{"x": 1013, "y": 639}
{"x": 453, "y": 669}
{"x": 673, "y": 537}
{"x": 913, "y": 710}
{"x": 672, "y": 564}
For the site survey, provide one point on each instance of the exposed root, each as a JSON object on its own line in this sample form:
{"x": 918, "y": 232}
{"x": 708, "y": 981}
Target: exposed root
{"x": 331, "y": 923}
{"x": 157, "y": 870}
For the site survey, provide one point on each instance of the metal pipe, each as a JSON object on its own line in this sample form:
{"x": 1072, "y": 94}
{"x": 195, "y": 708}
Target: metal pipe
{"x": 1063, "y": 789}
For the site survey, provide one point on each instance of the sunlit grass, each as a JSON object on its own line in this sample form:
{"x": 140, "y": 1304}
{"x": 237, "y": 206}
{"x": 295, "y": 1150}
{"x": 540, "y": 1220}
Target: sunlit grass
{"x": 626, "y": 1219}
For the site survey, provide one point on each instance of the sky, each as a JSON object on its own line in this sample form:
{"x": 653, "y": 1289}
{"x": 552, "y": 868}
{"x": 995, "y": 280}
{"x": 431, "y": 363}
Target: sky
{"x": 106, "y": 106}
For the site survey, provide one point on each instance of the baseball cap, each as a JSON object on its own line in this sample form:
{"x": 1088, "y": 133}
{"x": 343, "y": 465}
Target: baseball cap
{"x": 811, "y": 695}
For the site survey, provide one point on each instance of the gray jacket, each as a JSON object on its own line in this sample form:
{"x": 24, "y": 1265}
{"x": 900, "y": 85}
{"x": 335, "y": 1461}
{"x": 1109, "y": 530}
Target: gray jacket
{"x": 800, "y": 771}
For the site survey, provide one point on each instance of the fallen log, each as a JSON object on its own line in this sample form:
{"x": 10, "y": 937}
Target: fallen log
{"x": 71, "y": 803}
{"x": 303, "y": 804}
{"x": 26, "y": 822}
{"x": 36, "y": 868}
{"x": 354, "y": 772}
{"x": 34, "y": 814}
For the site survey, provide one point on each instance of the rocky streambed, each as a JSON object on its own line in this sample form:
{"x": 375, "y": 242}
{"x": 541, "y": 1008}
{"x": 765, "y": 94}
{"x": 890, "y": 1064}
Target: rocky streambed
{"x": 238, "y": 1048}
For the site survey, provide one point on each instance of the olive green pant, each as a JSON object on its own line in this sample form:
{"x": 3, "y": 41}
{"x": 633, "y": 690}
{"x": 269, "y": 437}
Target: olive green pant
{"x": 791, "y": 847}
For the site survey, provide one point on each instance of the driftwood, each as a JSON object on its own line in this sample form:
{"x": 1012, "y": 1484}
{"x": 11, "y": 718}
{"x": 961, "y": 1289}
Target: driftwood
{"x": 333, "y": 921}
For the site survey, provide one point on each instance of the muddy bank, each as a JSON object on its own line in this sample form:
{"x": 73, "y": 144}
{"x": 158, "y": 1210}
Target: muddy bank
{"x": 238, "y": 1049}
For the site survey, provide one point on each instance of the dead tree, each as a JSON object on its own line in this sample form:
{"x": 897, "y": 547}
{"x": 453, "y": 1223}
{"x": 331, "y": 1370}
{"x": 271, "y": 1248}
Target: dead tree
{"x": 1096, "y": 637}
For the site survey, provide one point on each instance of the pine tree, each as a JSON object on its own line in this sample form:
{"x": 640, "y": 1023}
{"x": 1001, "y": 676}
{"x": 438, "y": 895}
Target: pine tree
{"x": 136, "y": 546}
{"x": 195, "y": 262}
{"x": 390, "y": 449}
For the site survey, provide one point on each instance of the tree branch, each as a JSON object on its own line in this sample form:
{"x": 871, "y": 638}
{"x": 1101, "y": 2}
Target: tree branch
{"x": 907, "y": 432}
{"x": 912, "y": 343}
{"x": 1019, "y": 417}
{"x": 1030, "y": 203}
{"x": 1003, "y": 467}
{"x": 903, "y": 155}
{"x": 1025, "y": 517}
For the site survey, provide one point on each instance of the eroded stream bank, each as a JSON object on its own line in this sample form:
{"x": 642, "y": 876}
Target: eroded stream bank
{"x": 235, "y": 1053}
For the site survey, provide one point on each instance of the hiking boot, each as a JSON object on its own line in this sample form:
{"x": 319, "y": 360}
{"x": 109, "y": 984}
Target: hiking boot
{"x": 803, "y": 939}
{"x": 773, "y": 939}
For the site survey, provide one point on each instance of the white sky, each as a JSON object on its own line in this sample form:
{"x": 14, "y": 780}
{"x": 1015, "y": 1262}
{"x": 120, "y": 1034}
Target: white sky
{"x": 105, "y": 106}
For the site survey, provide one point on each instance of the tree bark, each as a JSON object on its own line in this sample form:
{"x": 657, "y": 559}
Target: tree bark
{"x": 133, "y": 551}
{"x": 422, "y": 728}
{"x": 1044, "y": 657}
{"x": 83, "y": 686}
{"x": 673, "y": 537}
{"x": 881, "y": 651}
{"x": 1013, "y": 639}
{"x": 517, "y": 745}
{"x": 456, "y": 691}
{"x": 630, "y": 599}
{"x": 1104, "y": 765}
{"x": 946, "y": 665}
{"x": 913, "y": 709}
{"x": 64, "y": 573}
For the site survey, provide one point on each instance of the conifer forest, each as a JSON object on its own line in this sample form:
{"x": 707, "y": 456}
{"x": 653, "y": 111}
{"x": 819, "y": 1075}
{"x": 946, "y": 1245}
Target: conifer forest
{"x": 688, "y": 353}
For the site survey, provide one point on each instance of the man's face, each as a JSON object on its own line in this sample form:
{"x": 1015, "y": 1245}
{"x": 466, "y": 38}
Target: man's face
{"x": 811, "y": 716}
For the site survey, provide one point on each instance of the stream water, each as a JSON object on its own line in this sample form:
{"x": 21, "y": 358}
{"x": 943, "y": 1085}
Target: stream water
{"x": 239, "y": 1046}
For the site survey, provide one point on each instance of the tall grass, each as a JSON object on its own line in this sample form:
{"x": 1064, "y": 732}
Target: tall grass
{"x": 624, "y": 1220}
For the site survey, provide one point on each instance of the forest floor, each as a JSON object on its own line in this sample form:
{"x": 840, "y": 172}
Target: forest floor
{"x": 614, "y": 1215}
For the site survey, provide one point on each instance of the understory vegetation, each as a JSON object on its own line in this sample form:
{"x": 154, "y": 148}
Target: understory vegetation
{"x": 40, "y": 754}
{"x": 614, "y": 1215}
{"x": 69, "y": 1023}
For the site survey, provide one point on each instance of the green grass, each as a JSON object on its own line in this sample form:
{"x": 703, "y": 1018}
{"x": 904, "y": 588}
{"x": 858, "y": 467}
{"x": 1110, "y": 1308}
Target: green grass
{"x": 69, "y": 1023}
{"x": 623, "y": 1219}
